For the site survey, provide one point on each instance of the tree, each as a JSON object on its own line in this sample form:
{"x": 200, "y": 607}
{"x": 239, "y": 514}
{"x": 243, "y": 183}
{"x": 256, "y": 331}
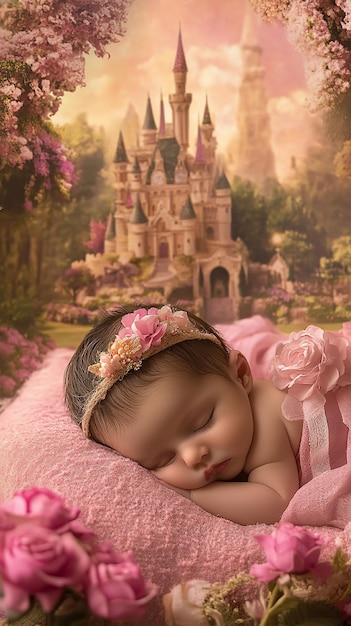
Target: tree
{"x": 249, "y": 220}
{"x": 288, "y": 213}
{"x": 75, "y": 279}
{"x": 341, "y": 252}
{"x": 299, "y": 255}
{"x": 42, "y": 48}
{"x": 97, "y": 236}
{"x": 320, "y": 29}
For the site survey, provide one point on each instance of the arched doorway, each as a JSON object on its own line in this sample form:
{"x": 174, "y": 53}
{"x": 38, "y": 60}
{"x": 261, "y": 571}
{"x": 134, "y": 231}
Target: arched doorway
{"x": 163, "y": 250}
{"x": 219, "y": 280}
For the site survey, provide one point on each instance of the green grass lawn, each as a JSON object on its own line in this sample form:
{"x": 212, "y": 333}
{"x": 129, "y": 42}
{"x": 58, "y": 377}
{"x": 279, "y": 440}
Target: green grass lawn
{"x": 65, "y": 335}
{"x": 70, "y": 335}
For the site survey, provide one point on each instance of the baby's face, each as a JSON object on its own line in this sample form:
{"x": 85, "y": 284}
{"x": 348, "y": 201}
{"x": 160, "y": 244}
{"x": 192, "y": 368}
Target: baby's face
{"x": 190, "y": 431}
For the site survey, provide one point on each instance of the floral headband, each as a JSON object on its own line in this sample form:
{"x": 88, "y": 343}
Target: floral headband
{"x": 144, "y": 332}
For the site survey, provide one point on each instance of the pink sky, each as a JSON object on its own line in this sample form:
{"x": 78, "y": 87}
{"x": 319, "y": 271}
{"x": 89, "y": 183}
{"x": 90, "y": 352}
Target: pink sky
{"x": 141, "y": 64}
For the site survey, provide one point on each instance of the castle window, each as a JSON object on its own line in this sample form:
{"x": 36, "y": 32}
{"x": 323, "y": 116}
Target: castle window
{"x": 210, "y": 232}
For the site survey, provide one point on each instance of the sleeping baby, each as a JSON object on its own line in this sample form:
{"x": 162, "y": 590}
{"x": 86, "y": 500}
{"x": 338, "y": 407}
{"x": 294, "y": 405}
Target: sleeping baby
{"x": 161, "y": 386}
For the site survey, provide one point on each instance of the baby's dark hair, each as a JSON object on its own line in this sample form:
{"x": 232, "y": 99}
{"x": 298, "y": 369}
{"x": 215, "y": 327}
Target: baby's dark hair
{"x": 196, "y": 357}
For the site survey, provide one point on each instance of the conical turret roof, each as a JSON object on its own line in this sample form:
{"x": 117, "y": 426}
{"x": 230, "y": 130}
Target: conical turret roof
{"x": 222, "y": 182}
{"x": 136, "y": 166}
{"x": 138, "y": 216}
{"x": 162, "y": 127}
{"x": 200, "y": 156}
{"x": 180, "y": 62}
{"x": 110, "y": 228}
{"x": 149, "y": 121}
{"x": 207, "y": 118}
{"x": 187, "y": 212}
{"x": 120, "y": 154}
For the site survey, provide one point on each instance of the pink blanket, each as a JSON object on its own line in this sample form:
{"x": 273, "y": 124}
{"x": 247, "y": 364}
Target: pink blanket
{"x": 173, "y": 539}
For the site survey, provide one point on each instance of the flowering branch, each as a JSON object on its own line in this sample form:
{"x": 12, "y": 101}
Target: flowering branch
{"x": 42, "y": 48}
{"x": 321, "y": 30}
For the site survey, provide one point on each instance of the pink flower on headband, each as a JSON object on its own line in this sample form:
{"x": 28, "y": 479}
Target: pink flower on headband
{"x": 144, "y": 324}
{"x": 180, "y": 318}
{"x": 141, "y": 331}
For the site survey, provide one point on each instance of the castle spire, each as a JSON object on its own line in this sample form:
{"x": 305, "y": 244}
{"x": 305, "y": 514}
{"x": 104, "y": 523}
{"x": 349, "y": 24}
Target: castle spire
{"x": 138, "y": 216}
{"x": 149, "y": 121}
{"x": 162, "y": 127}
{"x": 120, "y": 154}
{"x": 180, "y": 62}
{"x": 207, "y": 117}
{"x": 180, "y": 101}
{"x": 200, "y": 156}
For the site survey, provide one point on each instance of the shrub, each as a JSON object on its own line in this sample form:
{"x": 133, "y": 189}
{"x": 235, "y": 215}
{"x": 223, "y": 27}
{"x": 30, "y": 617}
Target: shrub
{"x": 19, "y": 357}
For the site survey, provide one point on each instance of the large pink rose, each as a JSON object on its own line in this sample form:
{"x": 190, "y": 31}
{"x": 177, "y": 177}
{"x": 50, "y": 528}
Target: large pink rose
{"x": 47, "y": 509}
{"x": 145, "y": 324}
{"x": 310, "y": 360}
{"x": 37, "y": 561}
{"x": 115, "y": 587}
{"x": 290, "y": 550}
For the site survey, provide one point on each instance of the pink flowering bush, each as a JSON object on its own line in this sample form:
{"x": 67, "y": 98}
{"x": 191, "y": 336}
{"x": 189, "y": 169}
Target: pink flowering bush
{"x": 295, "y": 587}
{"x": 47, "y": 556}
{"x": 19, "y": 357}
{"x": 71, "y": 314}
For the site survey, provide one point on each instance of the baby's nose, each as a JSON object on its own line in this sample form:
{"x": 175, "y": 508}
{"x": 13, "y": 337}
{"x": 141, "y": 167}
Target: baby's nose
{"x": 193, "y": 454}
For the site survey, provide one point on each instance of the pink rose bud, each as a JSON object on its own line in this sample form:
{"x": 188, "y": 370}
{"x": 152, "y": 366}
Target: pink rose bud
{"x": 115, "y": 587}
{"x": 290, "y": 550}
{"x": 41, "y": 504}
{"x": 183, "y": 604}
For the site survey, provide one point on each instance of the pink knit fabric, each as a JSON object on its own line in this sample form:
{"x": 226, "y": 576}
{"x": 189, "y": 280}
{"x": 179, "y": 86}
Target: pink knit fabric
{"x": 172, "y": 538}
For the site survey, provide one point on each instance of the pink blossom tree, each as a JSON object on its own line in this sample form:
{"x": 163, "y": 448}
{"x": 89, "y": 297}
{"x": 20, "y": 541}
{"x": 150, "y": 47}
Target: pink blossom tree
{"x": 97, "y": 236}
{"x": 321, "y": 30}
{"x": 43, "y": 44}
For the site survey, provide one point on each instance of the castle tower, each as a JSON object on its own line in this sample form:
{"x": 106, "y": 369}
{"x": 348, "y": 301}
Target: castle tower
{"x": 224, "y": 209}
{"x": 188, "y": 217}
{"x": 137, "y": 230}
{"x": 121, "y": 163}
{"x": 149, "y": 129}
{"x": 254, "y": 159}
{"x": 208, "y": 138}
{"x": 162, "y": 126}
{"x": 135, "y": 176}
{"x": 110, "y": 235}
{"x": 199, "y": 183}
{"x": 180, "y": 101}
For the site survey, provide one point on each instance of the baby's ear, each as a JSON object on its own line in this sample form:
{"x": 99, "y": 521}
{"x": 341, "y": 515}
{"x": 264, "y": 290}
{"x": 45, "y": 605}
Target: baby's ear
{"x": 240, "y": 369}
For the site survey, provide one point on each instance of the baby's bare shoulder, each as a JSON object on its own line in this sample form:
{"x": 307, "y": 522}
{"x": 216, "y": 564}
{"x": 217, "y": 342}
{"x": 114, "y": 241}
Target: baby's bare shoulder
{"x": 273, "y": 438}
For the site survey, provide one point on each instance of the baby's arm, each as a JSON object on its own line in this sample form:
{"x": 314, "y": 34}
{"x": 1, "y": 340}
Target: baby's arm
{"x": 260, "y": 500}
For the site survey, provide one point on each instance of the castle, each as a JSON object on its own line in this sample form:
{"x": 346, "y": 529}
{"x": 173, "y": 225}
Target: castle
{"x": 171, "y": 204}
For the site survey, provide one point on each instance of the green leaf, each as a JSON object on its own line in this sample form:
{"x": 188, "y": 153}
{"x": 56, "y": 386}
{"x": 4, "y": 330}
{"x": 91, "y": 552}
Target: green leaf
{"x": 310, "y": 614}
